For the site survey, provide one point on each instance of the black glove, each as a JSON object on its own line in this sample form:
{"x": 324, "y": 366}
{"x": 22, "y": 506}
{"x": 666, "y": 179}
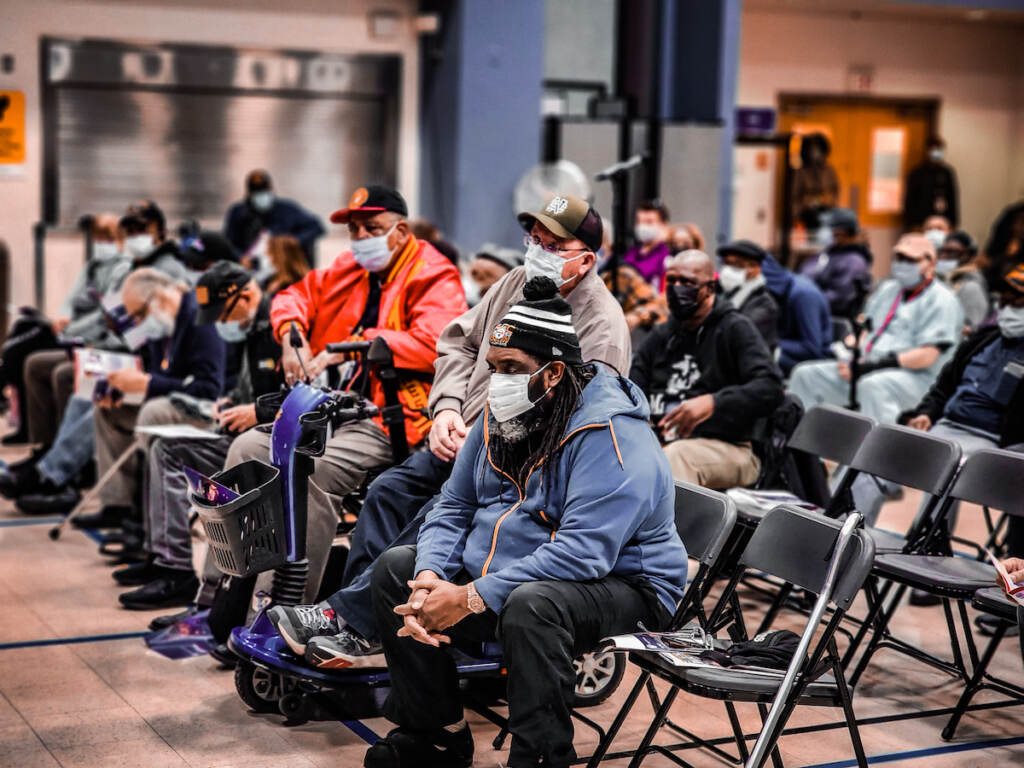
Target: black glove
{"x": 864, "y": 367}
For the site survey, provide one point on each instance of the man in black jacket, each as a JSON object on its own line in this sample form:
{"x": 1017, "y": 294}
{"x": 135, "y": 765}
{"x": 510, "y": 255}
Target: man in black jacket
{"x": 744, "y": 286}
{"x": 709, "y": 377}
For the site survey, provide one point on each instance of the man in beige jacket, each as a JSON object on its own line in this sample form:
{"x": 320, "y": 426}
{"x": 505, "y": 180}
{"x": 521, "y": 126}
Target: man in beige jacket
{"x": 561, "y": 242}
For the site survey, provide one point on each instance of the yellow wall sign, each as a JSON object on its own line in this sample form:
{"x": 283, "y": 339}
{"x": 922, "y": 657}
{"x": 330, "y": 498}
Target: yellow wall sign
{"x": 12, "y": 127}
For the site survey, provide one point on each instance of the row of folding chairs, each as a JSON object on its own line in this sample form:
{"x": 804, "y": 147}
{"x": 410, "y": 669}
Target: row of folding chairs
{"x": 793, "y": 544}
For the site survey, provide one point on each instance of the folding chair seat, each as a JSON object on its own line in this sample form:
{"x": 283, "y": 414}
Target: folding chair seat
{"x": 994, "y": 601}
{"x": 989, "y": 478}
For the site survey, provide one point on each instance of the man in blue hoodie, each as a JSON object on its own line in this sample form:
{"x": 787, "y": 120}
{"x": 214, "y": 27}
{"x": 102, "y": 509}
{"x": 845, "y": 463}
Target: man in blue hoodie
{"x": 805, "y": 325}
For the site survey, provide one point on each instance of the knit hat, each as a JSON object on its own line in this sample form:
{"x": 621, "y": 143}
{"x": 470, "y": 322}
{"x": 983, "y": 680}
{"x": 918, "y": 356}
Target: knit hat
{"x": 540, "y": 325}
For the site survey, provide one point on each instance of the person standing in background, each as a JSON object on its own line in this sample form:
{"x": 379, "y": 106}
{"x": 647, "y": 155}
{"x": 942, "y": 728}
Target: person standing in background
{"x": 815, "y": 182}
{"x": 264, "y": 212}
{"x": 651, "y": 249}
{"x": 932, "y": 189}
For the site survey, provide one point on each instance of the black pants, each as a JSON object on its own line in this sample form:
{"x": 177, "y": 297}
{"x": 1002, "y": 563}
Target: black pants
{"x": 542, "y": 627}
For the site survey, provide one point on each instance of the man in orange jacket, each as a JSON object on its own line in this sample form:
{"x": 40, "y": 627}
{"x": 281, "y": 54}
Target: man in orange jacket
{"x": 390, "y": 285}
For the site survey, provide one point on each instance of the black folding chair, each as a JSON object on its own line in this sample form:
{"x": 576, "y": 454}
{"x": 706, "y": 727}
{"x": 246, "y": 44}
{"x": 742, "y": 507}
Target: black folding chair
{"x": 989, "y": 478}
{"x": 799, "y": 547}
{"x": 705, "y": 521}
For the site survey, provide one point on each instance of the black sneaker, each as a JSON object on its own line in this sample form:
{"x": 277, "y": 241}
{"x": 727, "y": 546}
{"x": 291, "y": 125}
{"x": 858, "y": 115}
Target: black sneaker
{"x": 406, "y": 748}
{"x": 18, "y": 481}
{"x": 110, "y": 516}
{"x": 173, "y": 588}
{"x": 48, "y": 499}
{"x": 346, "y": 649}
{"x": 987, "y": 624}
{"x": 298, "y": 624}
{"x": 139, "y": 573}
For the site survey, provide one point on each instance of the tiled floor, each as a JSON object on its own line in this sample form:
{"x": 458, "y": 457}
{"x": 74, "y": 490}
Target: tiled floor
{"x": 114, "y": 703}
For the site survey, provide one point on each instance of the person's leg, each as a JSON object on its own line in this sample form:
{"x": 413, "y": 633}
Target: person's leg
{"x": 885, "y": 394}
{"x": 40, "y": 415}
{"x": 63, "y": 386}
{"x": 818, "y": 382}
{"x": 73, "y": 446}
{"x": 114, "y": 435}
{"x": 543, "y": 626}
{"x": 712, "y": 463}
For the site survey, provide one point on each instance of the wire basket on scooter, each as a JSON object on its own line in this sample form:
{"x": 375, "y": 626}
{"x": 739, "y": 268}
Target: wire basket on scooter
{"x": 246, "y": 535}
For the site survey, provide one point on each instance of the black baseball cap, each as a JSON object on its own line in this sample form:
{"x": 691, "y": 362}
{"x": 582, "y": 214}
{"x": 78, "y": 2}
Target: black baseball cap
{"x": 139, "y": 214}
{"x": 744, "y": 249}
{"x": 258, "y": 181}
{"x": 566, "y": 216}
{"x": 217, "y": 286}
{"x": 372, "y": 199}
{"x": 843, "y": 218}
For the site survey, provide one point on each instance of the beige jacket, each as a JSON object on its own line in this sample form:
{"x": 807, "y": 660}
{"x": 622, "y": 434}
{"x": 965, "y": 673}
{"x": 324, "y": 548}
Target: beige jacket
{"x": 460, "y": 371}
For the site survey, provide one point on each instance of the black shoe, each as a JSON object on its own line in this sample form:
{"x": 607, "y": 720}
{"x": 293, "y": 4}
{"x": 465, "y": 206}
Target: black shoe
{"x": 109, "y": 516}
{"x": 298, "y": 624}
{"x": 16, "y": 481}
{"x": 86, "y": 477}
{"x": 920, "y": 598}
{"x": 163, "y": 622}
{"x": 31, "y": 460}
{"x": 224, "y": 655}
{"x": 406, "y": 748}
{"x": 50, "y": 499}
{"x": 987, "y": 625}
{"x": 173, "y": 587}
{"x": 138, "y": 574}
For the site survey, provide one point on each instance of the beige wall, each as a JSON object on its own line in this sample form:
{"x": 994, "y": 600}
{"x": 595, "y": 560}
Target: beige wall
{"x": 977, "y": 70}
{"x": 338, "y": 26}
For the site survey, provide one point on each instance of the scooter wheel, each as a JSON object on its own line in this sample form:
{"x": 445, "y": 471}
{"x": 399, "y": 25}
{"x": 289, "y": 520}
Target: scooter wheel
{"x": 295, "y": 708}
{"x": 258, "y": 688}
{"x": 598, "y": 676}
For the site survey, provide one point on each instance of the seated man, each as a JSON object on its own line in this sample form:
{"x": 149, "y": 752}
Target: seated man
{"x": 913, "y": 320}
{"x": 591, "y": 550}
{"x": 709, "y": 377}
{"x": 744, "y": 286}
{"x": 486, "y": 267}
{"x": 805, "y": 322}
{"x": 390, "y": 285}
{"x": 843, "y": 269}
{"x": 562, "y": 242}
{"x": 230, "y": 300}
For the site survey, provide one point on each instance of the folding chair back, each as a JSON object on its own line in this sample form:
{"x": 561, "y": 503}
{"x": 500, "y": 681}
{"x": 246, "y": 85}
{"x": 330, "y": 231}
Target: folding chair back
{"x": 797, "y": 545}
{"x": 991, "y": 478}
{"x": 704, "y": 520}
{"x": 831, "y": 433}
{"x": 909, "y": 457}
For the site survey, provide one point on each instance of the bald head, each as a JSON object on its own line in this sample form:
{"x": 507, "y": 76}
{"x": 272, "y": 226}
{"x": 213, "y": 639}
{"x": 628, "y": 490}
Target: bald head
{"x": 105, "y": 227}
{"x": 689, "y": 286}
{"x": 696, "y": 265}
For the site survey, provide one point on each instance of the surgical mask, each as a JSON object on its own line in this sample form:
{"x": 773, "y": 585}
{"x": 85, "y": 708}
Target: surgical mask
{"x": 936, "y": 155}
{"x": 104, "y": 251}
{"x": 262, "y": 201}
{"x": 682, "y": 300}
{"x": 907, "y": 274}
{"x": 155, "y": 326}
{"x": 646, "y": 233}
{"x": 1011, "y": 322}
{"x": 139, "y": 245}
{"x": 373, "y": 253}
{"x": 731, "y": 278}
{"x": 945, "y": 266}
{"x": 541, "y": 263}
{"x": 232, "y": 331}
{"x": 936, "y": 237}
{"x": 472, "y": 290}
{"x": 508, "y": 394}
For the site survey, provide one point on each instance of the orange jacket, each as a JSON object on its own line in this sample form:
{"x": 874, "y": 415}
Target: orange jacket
{"x": 420, "y": 295}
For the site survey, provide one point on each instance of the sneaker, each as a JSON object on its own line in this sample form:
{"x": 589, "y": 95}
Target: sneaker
{"x": 173, "y": 588}
{"x": 987, "y": 624}
{"x": 48, "y": 499}
{"x": 298, "y": 624}
{"x": 110, "y": 516}
{"x": 406, "y": 748}
{"x": 343, "y": 650}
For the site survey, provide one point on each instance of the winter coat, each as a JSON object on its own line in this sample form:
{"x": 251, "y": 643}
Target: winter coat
{"x": 843, "y": 272}
{"x": 243, "y": 224}
{"x": 805, "y": 321}
{"x": 190, "y": 361}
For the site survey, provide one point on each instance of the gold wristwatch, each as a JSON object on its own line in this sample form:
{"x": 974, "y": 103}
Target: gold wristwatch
{"x": 474, "y": 602}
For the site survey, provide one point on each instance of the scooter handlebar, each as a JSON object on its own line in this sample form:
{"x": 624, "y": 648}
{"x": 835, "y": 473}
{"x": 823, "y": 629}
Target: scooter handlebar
{"x": 348, "y": 346}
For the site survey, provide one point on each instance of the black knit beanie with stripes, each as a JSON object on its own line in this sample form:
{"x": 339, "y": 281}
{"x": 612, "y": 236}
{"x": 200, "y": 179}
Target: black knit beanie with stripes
{"x": 540, "y": 325}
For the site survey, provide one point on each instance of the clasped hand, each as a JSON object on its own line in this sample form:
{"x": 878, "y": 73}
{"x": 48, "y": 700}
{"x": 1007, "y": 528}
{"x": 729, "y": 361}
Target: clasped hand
{"x": 434, "y": 605}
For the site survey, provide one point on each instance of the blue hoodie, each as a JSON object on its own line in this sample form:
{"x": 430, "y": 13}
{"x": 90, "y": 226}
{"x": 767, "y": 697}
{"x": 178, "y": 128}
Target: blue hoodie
{"x": 805, "y": 322}
{"x": 605, "y": 507}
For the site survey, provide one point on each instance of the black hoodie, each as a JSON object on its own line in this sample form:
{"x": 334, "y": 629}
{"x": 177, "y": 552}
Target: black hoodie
{"x": 725, "y": 357}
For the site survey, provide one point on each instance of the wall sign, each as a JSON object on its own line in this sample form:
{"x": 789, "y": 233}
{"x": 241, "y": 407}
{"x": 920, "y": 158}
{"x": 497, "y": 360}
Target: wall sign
{"x": 12, "y": 133}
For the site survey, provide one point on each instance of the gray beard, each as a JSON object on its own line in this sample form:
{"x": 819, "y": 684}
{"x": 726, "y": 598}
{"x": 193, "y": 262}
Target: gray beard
{"x": 513, "y": 431}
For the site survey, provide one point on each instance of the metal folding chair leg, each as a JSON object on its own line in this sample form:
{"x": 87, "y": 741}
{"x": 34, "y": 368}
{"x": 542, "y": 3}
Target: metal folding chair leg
{"x": 975, "y": 684}
{"x": 620, "y": 718}
{"x": 660, "y": 716}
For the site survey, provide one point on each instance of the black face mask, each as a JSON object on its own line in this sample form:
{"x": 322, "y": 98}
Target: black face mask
{"x": 683, "y": 300}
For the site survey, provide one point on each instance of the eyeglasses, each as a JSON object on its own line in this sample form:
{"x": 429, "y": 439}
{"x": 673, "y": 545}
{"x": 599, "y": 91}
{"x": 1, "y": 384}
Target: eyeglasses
{"x": 673, "y": 280}
{"x": 529, "y": 240}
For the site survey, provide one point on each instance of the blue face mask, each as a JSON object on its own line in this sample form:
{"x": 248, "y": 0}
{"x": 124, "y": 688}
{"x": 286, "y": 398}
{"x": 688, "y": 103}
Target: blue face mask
{"x": 232, "y": 332}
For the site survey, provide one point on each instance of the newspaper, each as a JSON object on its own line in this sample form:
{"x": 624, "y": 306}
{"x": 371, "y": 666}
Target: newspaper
{"x": 1013, "y": 590}
{"x": 177, "y": 431}
{"x": 92, "y": 367}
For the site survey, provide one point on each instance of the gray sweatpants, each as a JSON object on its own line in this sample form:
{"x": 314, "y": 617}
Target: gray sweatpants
{"x": 882, "y": 395}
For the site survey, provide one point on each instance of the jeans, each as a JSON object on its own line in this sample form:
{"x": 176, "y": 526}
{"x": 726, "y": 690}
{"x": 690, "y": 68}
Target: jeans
{"x": 542, "y": 626}
{"x": 396, "y": 505}
{"x": 74, "y": 445}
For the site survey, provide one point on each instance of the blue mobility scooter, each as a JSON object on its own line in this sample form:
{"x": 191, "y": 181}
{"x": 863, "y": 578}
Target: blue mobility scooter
{"x": 265, "y": 528}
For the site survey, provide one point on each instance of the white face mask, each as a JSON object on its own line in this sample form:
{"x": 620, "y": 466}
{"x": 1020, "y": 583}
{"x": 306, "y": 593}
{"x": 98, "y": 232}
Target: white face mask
{"x": 646, "y": 233}
{"x": 731, "y": 278}
{"x": 541, "y": 263}
{"x": 936, "y": 155}
{"x": 373, "y": 253}
{"x": 906, "y": 273}
{"x": 139, "y": 245}
{"x": 104, "y": 251}
{"x": 262, "y": 201}
{"x": 1011, "y": 322}
{"x": 936, "y": 237}
{"x": 508, "y": 394}
{"x": 945, "y": 266}
{"x": 472, "y": 290}
{"x": 156, "y": 325}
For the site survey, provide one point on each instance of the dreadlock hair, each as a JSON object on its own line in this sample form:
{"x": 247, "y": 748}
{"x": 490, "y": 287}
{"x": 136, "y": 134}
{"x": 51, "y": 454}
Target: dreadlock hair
{"x": 551, "y": 419}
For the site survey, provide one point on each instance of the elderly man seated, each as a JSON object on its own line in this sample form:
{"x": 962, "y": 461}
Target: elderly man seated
{"x": 555, "y": 530}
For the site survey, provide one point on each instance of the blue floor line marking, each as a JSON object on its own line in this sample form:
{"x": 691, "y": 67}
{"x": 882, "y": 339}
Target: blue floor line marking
{"x": 913, "y": 754}
{"x": 71, "y": 640}
{"x": 30, "y": 521}
{"x": 362, "y": 730}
